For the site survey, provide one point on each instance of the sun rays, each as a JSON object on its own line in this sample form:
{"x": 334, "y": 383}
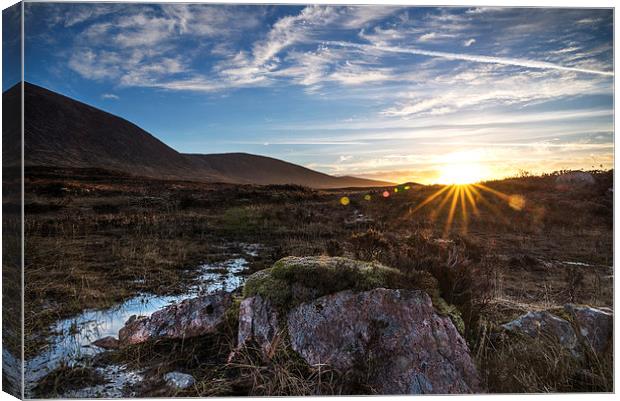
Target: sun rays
{"x": 462, "y": 201}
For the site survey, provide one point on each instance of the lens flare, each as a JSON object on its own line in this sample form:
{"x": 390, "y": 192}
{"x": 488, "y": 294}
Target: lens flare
{"x": 517, "y": 202}
{"x": 386, "y": 194}
{"x": 345, "y": 201}
{"x": 367, "y": 197}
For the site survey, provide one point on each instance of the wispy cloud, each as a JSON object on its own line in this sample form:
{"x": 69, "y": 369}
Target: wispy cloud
{"x": 469, "y": 42}
{"x": 362, "y": 80}
{"x": 474, "y": 58}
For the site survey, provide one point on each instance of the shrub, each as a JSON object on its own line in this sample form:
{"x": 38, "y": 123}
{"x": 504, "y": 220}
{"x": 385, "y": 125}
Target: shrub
{"x": 333, "y": 248}
{"x": 466, "y": 285}
{"x": 369, "y": 245}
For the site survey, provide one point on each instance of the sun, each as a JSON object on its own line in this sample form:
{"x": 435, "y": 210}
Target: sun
{"x": 461, "y": 174}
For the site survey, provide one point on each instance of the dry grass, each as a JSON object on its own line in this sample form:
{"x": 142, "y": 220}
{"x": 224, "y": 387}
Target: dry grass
{"x": 66, "y": 378}
{"x": 520, "y": 364}
{"x": 92, "y": 241}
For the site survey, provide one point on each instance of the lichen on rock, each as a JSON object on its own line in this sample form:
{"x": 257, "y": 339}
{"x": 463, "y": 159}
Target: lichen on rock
{"x": 395, "y": 337}
{"x": 361, "y": 317}
{"x": 293, "y": 280}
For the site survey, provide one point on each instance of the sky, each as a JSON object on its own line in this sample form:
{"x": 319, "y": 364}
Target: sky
{"x": 381, "y": 92}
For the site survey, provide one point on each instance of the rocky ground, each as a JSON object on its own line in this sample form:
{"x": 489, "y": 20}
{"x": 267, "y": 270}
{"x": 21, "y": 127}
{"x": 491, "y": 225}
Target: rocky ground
{"x": 400, "y": 293}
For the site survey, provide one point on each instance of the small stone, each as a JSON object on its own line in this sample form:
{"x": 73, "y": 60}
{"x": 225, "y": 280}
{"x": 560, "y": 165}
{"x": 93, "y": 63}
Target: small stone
{"x": 178, "y": 380}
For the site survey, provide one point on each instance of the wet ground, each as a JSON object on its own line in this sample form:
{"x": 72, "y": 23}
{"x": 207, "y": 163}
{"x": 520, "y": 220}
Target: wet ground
{"x": 71, "y": 345}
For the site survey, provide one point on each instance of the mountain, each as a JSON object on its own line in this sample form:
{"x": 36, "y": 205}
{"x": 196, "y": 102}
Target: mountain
{"x": 253, "y": 169}
{"x": 62, "y": 132}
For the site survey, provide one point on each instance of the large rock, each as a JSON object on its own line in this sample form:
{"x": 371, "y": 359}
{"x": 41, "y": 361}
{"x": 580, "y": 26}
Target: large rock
{"x": 190, "y": 318}
{"x": 258, "y": 321}
{"x": 594, "y": 326}
{"x": 392, "y": 337}
{"x": 544, "y": 324}
{"x": 575, "y": 179}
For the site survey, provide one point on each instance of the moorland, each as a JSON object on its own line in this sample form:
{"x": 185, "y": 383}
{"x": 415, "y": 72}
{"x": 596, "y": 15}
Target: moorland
{"x": 500, "y": 249}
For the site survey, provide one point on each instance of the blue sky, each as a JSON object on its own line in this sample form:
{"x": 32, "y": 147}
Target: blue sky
{"x": 379, "y": 92}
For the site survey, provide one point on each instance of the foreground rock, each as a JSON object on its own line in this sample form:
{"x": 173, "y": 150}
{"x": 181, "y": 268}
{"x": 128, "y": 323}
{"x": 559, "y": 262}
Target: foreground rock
{"x": 545, "y": 325}
{"x": 391, "y": 338}
{"x": 394, "y": 335}
{"x": 190, "y": 318}
{"x": 584, "y": 326}
{"x": 367, "y": 320}
{"x": 258, "y": 321}
{"x": 179, "y": 381}
{"x": 594, "y": 326}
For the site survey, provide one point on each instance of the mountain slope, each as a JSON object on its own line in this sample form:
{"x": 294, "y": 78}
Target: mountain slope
{"x": 253, "y": 169}
{"x": 63, "y": 132}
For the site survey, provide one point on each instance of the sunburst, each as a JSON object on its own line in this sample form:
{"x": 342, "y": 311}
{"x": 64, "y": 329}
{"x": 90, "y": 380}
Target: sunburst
{"x": 467, "y": 199}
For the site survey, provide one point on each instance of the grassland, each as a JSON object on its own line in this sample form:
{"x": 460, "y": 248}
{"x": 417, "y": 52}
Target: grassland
{"x": 94, "y": 238}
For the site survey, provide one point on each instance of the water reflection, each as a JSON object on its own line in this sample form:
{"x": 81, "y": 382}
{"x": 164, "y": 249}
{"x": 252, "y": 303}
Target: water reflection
{"x": 73, "y": 337}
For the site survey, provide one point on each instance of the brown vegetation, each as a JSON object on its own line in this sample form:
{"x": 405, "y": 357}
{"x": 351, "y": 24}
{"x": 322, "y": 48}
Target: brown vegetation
{"x": 95, "y": 239}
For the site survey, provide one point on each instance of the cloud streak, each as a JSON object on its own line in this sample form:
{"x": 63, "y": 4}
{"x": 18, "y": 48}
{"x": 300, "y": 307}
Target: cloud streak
{"x": 473, "y": 58}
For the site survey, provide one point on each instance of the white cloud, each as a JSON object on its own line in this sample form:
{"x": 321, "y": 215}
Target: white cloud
{"x": 475, "y": 58}
{"x": 484, "y": 87}
{"x": 469, "y": 42}
{"x": 359, "y": 16}
{"x": 356, "y": 74}
{"x": 435, "y": 36}
{"x": 142, "y": 49}
{"x": 111, "y": 96}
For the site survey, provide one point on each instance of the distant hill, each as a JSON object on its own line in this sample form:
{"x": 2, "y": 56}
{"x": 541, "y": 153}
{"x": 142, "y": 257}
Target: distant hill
{"x": 252, "y": 169}
{"x": 63, "y": 132}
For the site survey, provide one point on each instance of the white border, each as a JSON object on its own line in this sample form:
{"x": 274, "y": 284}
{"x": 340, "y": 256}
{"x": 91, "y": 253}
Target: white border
{"x": 506, "y": 3}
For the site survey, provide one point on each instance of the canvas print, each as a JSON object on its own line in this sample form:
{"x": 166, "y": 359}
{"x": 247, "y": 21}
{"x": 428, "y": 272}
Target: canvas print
{"x": 206, "y": 199}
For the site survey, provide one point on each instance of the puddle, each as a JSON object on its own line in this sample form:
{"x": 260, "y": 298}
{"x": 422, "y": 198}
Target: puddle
{"x": 118, "y": 380}
{"x": 11, "y": 371}
{"x": 251, "y": 249}
{"x": 74, "y": 336}
{"x": 583, "y": 264}
{"x": 221, "y": 276}
{"x": 577, "y": 264}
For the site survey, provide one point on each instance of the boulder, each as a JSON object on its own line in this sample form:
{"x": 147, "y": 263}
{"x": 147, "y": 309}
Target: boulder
{"x": 179, "y": 381}
{"x": 107, "y": 342}
{"x": 258, "y": 321}
{"x": 575, "y": 179}
{"x": 392, "y": 337}
{"x": 293, "y": 280}
{"x": 594, "y": 326}
{"x": 189, "y": 318}
{"x": 545, "y": 324}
